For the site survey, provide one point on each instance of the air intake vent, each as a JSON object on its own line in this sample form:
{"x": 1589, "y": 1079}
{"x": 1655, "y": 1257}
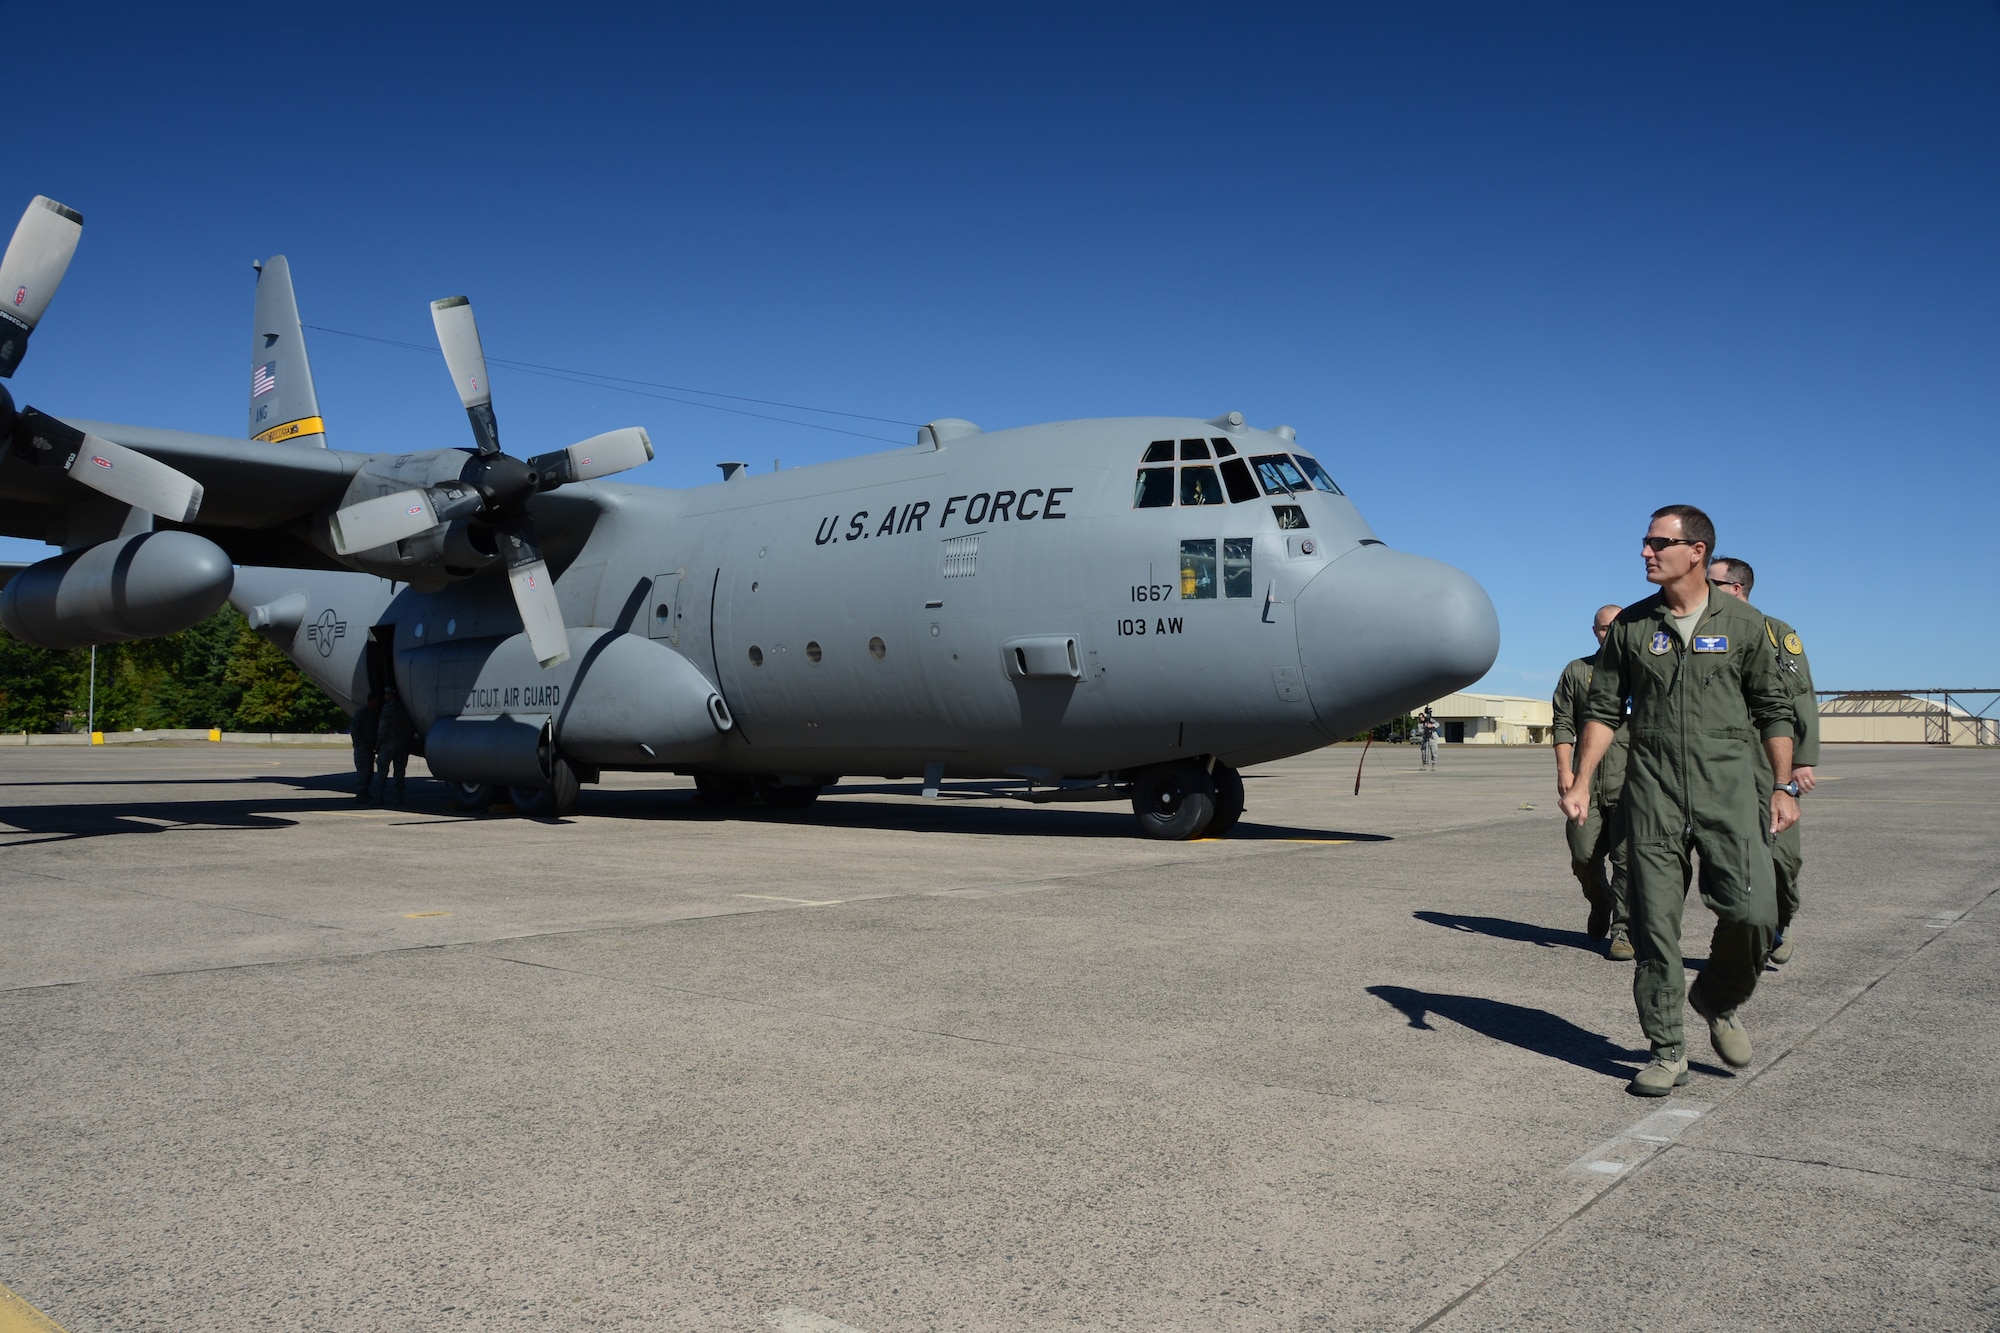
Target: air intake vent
{"x": 961, "y": 557}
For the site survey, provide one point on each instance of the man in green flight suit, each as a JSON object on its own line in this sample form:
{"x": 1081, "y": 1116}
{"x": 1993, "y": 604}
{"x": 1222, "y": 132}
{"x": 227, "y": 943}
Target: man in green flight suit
{"x": 1601, "y": 836}
{"x": 1737, "y": 578}
{"x": 1705, "y": 694}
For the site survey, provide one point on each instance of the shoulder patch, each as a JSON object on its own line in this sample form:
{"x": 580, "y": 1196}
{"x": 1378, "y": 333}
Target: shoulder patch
{"x": 1793, "y": 646}
{"x": 1661, "y": 643}
{"x": 1711, "y": 643}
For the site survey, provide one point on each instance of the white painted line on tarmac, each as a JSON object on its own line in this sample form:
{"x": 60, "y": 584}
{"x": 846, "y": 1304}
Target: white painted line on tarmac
{"x": 793, "y": 1319}
{"x": 800, "y": 902}
{"x": 1615, "y": 1156}
{"x": 1944, "y": 920}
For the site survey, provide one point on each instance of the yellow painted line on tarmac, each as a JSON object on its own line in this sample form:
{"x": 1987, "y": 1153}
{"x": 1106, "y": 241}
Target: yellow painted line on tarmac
{"x": 414, "y": 915}
{"x": 17, "y": 1316}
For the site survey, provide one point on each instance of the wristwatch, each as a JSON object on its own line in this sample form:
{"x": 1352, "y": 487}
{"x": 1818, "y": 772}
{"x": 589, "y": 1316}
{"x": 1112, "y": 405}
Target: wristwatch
{"x": 1790, "y": 789}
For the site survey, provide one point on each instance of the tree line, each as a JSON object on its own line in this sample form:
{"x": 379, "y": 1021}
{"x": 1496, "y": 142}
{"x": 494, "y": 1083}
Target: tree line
{"x": 220, "y": 673}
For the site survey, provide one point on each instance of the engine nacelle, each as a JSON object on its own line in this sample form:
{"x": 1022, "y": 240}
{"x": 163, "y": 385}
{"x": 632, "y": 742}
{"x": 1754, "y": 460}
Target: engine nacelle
{"x": 136, "y": 587}
{"x": 429, "y": 559}
{"x": 620, "y": 701}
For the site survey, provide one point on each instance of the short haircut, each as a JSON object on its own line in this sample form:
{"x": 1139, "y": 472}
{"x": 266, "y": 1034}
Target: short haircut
{"x": 1694, "y": 525}
{"x": 1613, "y": 607}
{"x": 1738, "y": 570}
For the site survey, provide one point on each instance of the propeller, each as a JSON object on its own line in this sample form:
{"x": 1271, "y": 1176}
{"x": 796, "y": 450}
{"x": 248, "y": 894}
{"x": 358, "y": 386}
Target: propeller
{"x": 37, "y": 257}
{"x": 493, "y": 488}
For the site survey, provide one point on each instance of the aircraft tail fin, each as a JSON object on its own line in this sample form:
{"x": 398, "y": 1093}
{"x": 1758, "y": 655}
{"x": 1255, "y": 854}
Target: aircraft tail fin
{"x": 283, "y": 405}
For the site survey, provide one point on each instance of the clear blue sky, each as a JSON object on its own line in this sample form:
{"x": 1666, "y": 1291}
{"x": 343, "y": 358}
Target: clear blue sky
{"x": 1518, "y": 274}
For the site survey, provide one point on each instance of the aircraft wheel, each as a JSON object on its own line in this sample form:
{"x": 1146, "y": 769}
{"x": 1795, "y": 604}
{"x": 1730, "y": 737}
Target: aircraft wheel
{"x": 1228, "y": 801}
{"x": 471, "y": 797}
{"x": 1173, "y": 801}
{"x": 553, "y": 801}
{"x": 723, "y": 789}
{"x": 781, "y": 797}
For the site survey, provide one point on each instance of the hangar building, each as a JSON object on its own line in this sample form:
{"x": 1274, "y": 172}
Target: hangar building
{"x": 1494, "y": 719}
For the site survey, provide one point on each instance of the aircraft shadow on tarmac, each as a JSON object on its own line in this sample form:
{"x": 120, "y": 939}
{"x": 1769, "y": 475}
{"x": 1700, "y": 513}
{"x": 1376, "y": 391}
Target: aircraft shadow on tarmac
{"x": 952, "y": 813}
{"x": 1534, "y": 1030}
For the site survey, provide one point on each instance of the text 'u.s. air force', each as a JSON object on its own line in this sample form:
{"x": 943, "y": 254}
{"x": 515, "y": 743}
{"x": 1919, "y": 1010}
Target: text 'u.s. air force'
{"x": 981, "y": 508}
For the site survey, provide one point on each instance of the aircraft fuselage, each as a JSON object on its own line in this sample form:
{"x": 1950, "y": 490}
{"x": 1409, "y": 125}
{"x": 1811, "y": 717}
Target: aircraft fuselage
{"x": 999, "y": 604}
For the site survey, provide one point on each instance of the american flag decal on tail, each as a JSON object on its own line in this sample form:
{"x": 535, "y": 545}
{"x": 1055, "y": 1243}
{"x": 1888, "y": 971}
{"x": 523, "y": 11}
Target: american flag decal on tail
{"x": 263, "y": 379}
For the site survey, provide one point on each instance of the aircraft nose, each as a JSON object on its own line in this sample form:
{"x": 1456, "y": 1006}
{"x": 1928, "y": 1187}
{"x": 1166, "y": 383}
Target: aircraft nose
{"x": 1382, "y": 631}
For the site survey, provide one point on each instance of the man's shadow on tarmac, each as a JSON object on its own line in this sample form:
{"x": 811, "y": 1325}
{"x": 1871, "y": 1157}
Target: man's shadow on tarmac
{"x": 1548, "y": 937}
{"x": 1534, "y": 1030}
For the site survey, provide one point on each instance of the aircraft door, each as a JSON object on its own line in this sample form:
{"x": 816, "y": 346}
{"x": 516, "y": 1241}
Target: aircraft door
{"x": 665, "y": 613}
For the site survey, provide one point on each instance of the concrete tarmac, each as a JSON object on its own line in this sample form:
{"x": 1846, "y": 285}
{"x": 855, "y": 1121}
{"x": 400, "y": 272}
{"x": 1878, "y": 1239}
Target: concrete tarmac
{"x": 274, "y": 1060}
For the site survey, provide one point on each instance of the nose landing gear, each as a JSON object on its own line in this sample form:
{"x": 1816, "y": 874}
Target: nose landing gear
{"x": 1186, "y": 799}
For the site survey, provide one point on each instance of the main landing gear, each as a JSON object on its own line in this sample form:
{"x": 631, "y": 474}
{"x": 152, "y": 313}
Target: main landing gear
{"x": 1187, "y": 799}
{"x": 554, "y": 801}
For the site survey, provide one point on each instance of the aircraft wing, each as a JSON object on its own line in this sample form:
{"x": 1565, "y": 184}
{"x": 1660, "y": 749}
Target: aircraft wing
{"x": 255, "y": 496}
{"x": 251, "y": 491}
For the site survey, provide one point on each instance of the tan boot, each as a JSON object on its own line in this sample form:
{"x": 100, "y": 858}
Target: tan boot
{"x": 1660, "y": 1078}
{"x": 1621, "y": 950}
{"x": 1781, "y": 948}
{"x": 1725, "y": 1031}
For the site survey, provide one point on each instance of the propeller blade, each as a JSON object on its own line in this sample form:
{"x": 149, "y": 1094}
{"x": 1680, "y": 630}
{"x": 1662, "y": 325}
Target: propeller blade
{"x": 458, "y": 337}
{"x": 598, "y": 456}
{"x": 33, "y": 268}
{"x": 534, "y": 592}
{"x": 142, "y": 482}
{"x": 367, "y": 524}
{"x": 110, "y": 469}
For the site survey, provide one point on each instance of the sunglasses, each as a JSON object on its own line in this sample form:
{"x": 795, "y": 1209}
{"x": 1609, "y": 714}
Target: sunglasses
{"x": 1659, "y": 544}
{"x": 1726, "y": 583}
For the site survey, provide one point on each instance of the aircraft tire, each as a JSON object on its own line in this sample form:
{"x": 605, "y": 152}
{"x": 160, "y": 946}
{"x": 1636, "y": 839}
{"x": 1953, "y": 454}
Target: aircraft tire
{"x": 554, "y": 801}
{"x": 471, "y": 797}
{"x": 1228, "y": 801}
{"x": 1173, "y": 802}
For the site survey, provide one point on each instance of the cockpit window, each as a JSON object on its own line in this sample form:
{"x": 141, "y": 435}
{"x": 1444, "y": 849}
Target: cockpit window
{"x": 1199, "y": 486}
{"x": 1198, "y": 570}
{"x": 1236, "y": 476}
{"x": 1278, "y": 474}
{"x": 1193, "y": 449}
{"x": 1318, "y": 474}
{"x": 1154, "y": 488}
{"x": 1290, "y": 516}
{"x": 1223, "y": 448}
{"x": 1159, "y": 451}
{"x": 1236, "y": 574}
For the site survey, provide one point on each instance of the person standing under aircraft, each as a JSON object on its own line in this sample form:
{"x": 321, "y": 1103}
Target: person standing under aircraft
{"x": 392, "y": 744}
{"x": 1705, "y": 693}
{"x": 1736, "y": 577}
{"x": 1601, "y": 837}
{"x": 1427, "y": 738}
{"x": 362, "y": 732}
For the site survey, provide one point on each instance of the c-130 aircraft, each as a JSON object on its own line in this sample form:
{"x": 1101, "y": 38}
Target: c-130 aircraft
{"x": 1131, "y": 608}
